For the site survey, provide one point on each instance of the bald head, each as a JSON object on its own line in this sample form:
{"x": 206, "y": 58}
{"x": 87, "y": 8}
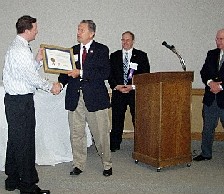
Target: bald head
{"x": 220, "y": 39}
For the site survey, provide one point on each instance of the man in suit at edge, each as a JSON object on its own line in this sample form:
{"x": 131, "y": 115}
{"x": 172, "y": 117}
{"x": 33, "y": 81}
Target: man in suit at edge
{"x": 87, "y": 98}
{"x": 212, "y": 75}
{"x": 120, "y": 80}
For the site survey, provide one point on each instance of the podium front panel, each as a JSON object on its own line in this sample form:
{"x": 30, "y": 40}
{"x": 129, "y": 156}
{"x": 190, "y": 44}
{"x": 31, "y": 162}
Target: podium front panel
{"x": 162, "y": 130}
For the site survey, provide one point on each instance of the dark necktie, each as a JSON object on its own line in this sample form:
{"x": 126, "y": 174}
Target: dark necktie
{"x": 84, "y": 54}
{"x": 30, "y": 48}
{"x": 125, "y": 67}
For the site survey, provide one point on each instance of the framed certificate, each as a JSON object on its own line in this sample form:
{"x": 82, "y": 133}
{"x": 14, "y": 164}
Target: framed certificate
{"x": 57, "y": 59}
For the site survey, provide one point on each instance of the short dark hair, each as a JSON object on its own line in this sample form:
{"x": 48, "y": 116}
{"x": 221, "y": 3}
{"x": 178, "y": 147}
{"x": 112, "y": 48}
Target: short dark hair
{"x": 25, "y": 23}
{"x": 129, "y": 32}
{"x": 91, "y": 25}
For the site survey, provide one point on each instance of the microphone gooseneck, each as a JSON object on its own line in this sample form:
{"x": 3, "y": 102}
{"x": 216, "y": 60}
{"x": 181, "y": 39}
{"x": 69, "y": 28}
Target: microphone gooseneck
{"x": 173, "y": 49}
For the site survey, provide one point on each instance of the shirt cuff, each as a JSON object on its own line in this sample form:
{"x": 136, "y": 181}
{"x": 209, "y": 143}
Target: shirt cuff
{"x": 209, "y": 81}
{"x": 61, "y": 86}
{"x": 81, "y": 72}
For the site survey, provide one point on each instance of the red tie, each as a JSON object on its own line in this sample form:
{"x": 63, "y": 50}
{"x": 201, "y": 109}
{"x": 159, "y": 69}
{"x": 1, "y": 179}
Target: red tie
{"x": 84, "y": 54}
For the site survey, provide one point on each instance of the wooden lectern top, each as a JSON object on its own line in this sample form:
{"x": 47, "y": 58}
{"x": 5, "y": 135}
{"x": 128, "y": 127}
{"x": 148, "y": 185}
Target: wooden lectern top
{"x": 163, "y": 77}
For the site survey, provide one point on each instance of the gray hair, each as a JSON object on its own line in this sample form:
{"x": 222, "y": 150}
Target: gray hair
{"x": 91, "y": 25}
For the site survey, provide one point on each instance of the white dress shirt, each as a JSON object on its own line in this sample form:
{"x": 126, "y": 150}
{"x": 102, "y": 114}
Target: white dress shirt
{"x": 20, "y": 72}
{"x": 81, "y": 51}
{"x": 129, "y": 55}
{"x": 220, "y": 58}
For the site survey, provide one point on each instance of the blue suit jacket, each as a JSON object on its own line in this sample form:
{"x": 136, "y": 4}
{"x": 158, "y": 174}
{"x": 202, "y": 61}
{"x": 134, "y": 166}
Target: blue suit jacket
{"x": 210, "y": 71}
{"x": 96, "y": 70}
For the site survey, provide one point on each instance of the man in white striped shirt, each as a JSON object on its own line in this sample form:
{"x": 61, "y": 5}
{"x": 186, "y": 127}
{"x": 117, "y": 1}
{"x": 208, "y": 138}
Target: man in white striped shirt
{"x": 20, "y": 80}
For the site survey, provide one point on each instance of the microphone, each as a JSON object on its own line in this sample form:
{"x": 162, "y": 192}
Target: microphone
{"x": 171, "y": 47}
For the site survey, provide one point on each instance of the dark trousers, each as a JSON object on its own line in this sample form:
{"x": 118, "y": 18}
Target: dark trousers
{"x": 119, "y": 103}
{"x": 211, "y": 115}
{"x": 20, "y": 154}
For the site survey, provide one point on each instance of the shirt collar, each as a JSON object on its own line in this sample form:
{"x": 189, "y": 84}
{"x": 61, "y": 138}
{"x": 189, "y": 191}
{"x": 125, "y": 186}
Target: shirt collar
{"x": 87, "y": 45}
{"x": 23, "y": 40}
{"x": 221, "y": 52}
{"x": 127, "y": 51}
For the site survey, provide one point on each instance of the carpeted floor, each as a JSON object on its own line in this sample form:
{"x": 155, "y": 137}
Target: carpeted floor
{"x": 128, "y": 178}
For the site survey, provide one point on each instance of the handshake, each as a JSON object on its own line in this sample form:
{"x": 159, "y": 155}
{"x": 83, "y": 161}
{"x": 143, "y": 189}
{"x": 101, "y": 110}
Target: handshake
{"x": 56, "y": 88}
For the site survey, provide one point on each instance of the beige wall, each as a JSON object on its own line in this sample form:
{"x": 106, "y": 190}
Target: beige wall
{"x": 196, "y": 114}
{"x": 180, "y": 23}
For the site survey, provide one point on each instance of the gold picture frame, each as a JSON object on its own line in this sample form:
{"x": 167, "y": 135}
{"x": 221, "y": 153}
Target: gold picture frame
{"x": 57, "y": 59}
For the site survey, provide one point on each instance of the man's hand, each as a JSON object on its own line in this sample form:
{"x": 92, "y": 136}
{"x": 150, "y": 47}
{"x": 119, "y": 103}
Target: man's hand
{"x": 215, "y": 87}
{"x": 124, "y": 88}
{"x": 74, "y": 73}
{"x": 56, "y": 88}
{"x": 39, "y": 56}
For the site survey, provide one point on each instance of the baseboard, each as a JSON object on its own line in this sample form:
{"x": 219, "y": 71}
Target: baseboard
{"x": 128, "y": 135}
{"x": 219, "y": 136}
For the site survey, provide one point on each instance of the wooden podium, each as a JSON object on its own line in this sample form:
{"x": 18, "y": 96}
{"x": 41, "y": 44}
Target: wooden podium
{"x": 162, "y": 134}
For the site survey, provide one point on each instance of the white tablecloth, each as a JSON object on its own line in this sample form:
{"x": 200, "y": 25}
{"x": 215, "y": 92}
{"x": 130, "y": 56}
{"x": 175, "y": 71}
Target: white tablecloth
{"x": 52, "y": 130}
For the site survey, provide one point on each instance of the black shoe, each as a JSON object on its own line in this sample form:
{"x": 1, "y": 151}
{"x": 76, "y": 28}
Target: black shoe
{"x": 201, "y": 158}
{"x": 36, "y": 191}
{"x": 11, "y": 188}
{"x": 114, "y": 148}
{"x": 75, "y": 171}
{"x": 107, "y": 172}
{"x": 12, "y": 184}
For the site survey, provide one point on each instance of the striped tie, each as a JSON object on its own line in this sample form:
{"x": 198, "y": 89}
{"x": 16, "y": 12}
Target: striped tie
{"x": 125, "y": 67}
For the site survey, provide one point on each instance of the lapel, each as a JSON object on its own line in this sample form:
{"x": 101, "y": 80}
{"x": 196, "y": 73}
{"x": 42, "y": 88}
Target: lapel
{"x": 76, "y": 51}
{"x": 120, "y": 60}
{"x": 133, "y": 56}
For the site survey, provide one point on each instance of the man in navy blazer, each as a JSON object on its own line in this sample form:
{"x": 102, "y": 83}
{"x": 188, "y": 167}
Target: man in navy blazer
{"x": 212, "y": 75}
{"x": 95, "y": 70}
{"x": 87, "y": 98}
{"x": 120, "y": 80}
